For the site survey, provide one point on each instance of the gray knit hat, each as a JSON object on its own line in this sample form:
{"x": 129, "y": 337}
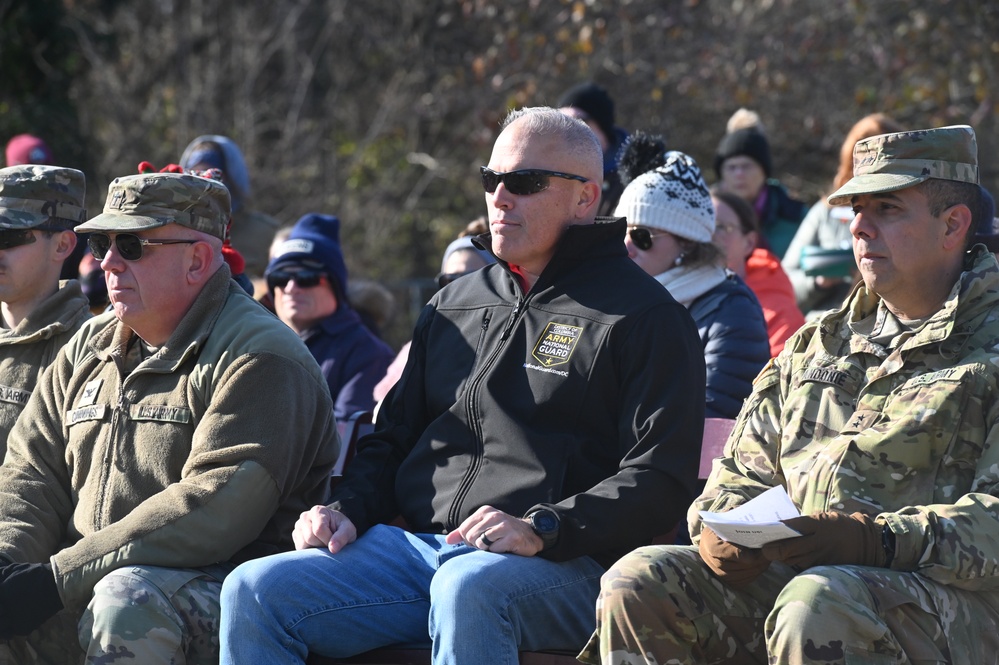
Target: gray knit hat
{"x": 672, "y": 197}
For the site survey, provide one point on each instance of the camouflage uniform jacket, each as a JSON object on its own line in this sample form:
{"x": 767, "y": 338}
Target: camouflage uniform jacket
{"x": 908, "y": 435}
{"x": 25, "y": 351}
{"x": 205, "y": 451}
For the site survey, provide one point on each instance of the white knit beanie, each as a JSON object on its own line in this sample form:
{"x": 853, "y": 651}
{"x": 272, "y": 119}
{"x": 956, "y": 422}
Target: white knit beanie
{"x": 672, "y": 197}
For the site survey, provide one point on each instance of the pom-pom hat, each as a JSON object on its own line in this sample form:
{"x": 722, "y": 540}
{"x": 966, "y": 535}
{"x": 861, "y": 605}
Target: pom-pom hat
{"x": 672, "y": 197}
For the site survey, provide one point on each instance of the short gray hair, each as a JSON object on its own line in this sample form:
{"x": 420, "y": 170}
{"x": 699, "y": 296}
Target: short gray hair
{"x": 578, "y": 138}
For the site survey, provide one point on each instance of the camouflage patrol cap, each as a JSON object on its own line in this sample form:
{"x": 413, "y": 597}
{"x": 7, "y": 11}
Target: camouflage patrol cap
{"x": 36, "y": 195}
{"x": 891, "y": 162}
{"x": 150, "y": 200}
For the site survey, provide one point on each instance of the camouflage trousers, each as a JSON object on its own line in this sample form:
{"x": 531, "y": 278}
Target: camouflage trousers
{"x": 662, "y": 605}
{"x": 141, "y": 614}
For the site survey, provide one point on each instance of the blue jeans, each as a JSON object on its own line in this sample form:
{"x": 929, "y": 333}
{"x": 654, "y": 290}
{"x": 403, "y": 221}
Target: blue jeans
{"x": 393, "y": 587}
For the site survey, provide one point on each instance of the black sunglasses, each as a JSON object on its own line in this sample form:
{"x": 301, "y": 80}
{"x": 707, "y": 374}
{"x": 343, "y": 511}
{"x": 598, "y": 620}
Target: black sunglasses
{"x": 129, "y": 245}
{"x": 11, "y": 238}
{"x": 642, "y": 237}
{"x": 523, "y": 182}
{"x": 305, "y": 279}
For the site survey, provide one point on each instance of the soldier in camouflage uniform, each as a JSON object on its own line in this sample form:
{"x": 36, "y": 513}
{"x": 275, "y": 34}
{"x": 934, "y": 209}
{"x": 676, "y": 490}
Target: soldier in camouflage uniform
{"x": 149, "y": 460}
{"x": 880, "y": 420}
{"x": 39, "y": 206}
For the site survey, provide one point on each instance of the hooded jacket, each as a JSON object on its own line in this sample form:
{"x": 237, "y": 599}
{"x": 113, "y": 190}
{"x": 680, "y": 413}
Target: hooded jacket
{"x": 180, "y": 459}
{"x": 904, "y": 434}
{"x": 252, "y": 231}
{"x": 25, "y": 351}
{"x": 584, "y": 395}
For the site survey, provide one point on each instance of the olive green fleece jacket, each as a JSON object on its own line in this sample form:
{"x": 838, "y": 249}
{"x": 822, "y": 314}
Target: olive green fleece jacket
{"x": 31, "y": 346}
{"x": 206, "y": 451}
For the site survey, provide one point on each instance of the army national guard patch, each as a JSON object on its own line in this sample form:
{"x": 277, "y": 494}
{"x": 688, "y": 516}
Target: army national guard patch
{"x": 556, "y": 344}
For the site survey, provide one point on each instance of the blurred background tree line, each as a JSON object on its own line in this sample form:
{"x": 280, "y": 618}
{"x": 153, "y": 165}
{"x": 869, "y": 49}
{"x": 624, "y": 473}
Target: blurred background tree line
{"x": 381, "y": 111}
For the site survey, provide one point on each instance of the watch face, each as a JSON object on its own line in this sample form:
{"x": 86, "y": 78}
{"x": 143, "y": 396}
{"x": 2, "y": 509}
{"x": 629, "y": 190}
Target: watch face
{"x": 545, "y": 522}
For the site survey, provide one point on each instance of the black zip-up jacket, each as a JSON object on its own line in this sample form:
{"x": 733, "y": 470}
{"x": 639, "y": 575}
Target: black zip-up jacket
{"x": 585, "y": 395}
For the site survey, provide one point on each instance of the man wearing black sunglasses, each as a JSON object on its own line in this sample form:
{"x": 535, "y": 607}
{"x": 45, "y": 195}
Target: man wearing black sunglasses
{"x": 39, "y": 205}
{"x": 543, "y": 425}
{"x": 171, "y": 438}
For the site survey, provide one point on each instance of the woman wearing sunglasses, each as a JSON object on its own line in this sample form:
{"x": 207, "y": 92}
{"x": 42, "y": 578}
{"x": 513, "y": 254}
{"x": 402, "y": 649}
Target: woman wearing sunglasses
{"x": 670, "y": 225}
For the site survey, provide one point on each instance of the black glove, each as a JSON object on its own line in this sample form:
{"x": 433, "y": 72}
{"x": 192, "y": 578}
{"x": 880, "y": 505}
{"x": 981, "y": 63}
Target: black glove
{"x": 28, "y": 598}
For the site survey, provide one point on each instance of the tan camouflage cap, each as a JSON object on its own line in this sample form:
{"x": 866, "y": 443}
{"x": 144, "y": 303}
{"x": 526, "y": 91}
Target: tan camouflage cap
{"x": 150, "y": 200}
{"x": 36, "y": 195}
{"x": 890, "y": 162}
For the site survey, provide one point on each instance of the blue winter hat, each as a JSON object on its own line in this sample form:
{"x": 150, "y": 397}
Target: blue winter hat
{"x": 314, "y": 241}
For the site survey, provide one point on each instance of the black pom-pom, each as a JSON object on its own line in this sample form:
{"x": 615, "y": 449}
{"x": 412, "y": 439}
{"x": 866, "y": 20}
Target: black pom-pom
{"x": 640, "y": 154}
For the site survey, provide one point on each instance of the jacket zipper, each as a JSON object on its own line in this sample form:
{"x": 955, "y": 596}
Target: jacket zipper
{"x": 116, "y": 416}
{"x": 121, "y": 410}
{"x": 473, "y": 414}
{"x": 513, "y": 319}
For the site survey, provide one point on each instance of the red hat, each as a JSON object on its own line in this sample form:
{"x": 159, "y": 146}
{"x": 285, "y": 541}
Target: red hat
{"x": 27, "y": 149}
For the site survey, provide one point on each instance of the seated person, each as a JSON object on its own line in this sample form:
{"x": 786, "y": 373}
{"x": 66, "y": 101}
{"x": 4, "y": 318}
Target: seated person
{"x": 252, "y": 230}
{"x": 880, "y": 421}
{"x": 539, "y": 417}
{"x": 39, "y": 206}
{"x": 307, "y": 279}
{"x": 671, "y": 221}
{"x": 460, "y": 258}
{"x": 736, "y": 234}
{"x": 743, "y": 166}
{"x": 151, "y": 457}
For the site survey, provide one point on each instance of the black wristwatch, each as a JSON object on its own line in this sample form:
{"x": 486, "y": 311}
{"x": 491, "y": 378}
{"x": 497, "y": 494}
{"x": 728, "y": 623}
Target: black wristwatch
{"x": 545, "y": 523}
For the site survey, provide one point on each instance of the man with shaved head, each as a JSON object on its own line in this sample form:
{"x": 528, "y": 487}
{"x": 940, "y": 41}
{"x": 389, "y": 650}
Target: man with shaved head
{"x": 542, "y": 425}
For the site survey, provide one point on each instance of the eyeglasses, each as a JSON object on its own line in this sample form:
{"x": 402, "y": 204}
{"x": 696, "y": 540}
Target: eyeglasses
{"x": 642, "y": 237}
{"x": 523, "y": 182}
{"x": 11, "y": 238}
{"x": 129, "y": 245}
{"x": 728, "y": 228}
{"x": 305, "y": 279}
